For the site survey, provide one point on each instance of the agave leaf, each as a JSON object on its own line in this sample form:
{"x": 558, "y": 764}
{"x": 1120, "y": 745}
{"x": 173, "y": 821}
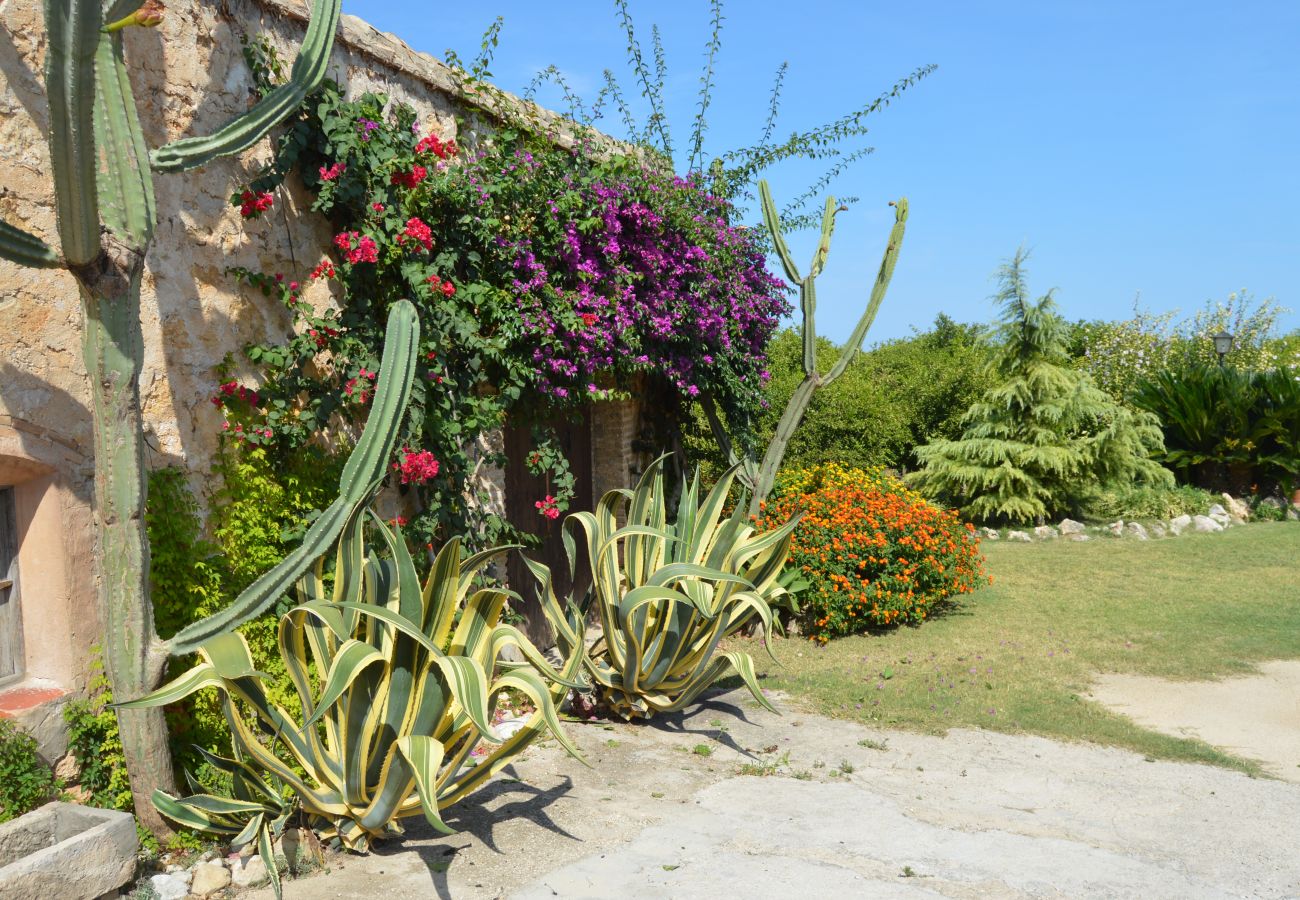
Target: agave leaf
{"x": 201, "y": 676}
{"x": 424, "y": 756}
{"x": 182, "y": 813}
{"x": 353, "y": 658}
{"x": 265, "y": 848}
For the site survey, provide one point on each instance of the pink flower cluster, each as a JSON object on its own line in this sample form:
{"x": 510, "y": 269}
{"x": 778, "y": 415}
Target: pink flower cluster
{"x": 446, "y": 288}
{"x": 416, "y": 467}
{"x": 416, "y": 230}
{"x": 435, "y": 145}
{"x": 253, "y": 203}
{"x": 361, "y": 386}
{"x": 548, "y": 507}
{"x": 359, "y": 248}
{"x": 233, "y": 389}
{"x": 410, "y": 179}
{"x": 334, "y": 171}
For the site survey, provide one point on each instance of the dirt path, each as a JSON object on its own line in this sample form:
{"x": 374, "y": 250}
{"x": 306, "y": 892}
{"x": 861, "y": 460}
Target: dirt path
{"x": 1253, "y": 716}
{"x": 665, "y": 813}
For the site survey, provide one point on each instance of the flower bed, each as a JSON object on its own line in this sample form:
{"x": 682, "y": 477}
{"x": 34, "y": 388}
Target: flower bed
{"x": 874, "y": 552}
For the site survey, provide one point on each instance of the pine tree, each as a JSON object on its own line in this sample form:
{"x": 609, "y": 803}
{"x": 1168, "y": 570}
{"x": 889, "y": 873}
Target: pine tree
{"x": 1045, "y": 437}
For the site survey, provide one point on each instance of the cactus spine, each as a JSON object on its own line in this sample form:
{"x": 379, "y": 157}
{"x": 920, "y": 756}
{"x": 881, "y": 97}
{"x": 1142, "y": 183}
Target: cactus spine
{"x": 103, "y": 186}
{"x": 760, "y": 475}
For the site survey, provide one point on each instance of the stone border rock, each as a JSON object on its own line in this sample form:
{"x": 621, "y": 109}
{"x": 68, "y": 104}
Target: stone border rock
{"x": 1219, "y": 517}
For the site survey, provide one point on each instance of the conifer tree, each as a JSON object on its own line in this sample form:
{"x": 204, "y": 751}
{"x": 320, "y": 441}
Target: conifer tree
{"x": 1045, "y": 437}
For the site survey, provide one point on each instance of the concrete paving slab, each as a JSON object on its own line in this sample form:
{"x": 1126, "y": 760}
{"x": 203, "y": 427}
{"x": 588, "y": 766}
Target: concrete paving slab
{"x": 665, "y": 812}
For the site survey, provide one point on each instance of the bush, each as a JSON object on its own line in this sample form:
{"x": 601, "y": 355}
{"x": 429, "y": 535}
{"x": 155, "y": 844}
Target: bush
{"x": 875, "y": 552}
{"x": 1227, "y": 428}
{"x": 94, "y": 741}
{"x": 1148, "y": 502}
{"x": 25, "y": 780}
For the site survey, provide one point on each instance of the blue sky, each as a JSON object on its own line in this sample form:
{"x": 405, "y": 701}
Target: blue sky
{"x": 1139, "y": 147}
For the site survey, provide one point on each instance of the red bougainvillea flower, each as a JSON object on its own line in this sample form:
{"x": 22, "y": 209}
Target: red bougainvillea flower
{"x": 435, "y": 145}
{"x": 334, "y": 171}
{"x": 359, "y": 248}
{"x": 324, "y": 269}
{"x": 253, "y": 203}
{"x": 410, "y": 179}
{"x": 417, "y": 231}
{"x": 416, "y": 468}
{"x": 548, "y": 507}
{"x": 588, "y": 319}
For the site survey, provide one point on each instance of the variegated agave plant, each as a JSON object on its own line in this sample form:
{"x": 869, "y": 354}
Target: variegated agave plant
{"x": 395, "y": 680}
{"x": 668, "y": 592}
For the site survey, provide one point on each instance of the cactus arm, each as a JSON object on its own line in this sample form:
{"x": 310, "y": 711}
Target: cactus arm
{"x": 26, "y": 249}
{"x": 719, "y": 430}
{"x": 73, "y": 31}
{"x": 120, "y": 9}
{"x": 824, "y": 244}
{"x": 772, "y": 219}
{"x": 247, "y": 129}
{"x": 808, "y": 309}
{"x": 125, "y": 182}
{"x": 362, "y": 475}
{"x": 878, "y": 290}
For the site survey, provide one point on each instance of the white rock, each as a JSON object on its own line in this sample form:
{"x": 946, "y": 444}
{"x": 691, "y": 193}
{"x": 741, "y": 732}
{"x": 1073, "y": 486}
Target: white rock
{"x": 1022, "y": 536}
{"x": 1220, "y": 515}
{"x": 1157, "y": 530}
{"x": 1116, "y": 528}
{"x": 989, "y": 534}
{"x": 1179, "y": 525}
{"x": 1238, "y": 510}
{"x": 209, "y": 877}
{"x": 247, "y": 871}
{"x": 1205, "y": 525}
{"x": 1078, "y": 537}
{"x": 1046, "y": 533}
{"x": 1292, "y": 515}
{"x": 1069, "y": 526}
{"x": 171, "y": 885}
{"x": 1136, "y": 531}
{"x": 1275, "y": 502}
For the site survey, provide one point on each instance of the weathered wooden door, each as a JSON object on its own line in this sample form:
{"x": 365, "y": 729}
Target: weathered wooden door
{"x": 523, "y": 490}
{"x": 11, "y": 623}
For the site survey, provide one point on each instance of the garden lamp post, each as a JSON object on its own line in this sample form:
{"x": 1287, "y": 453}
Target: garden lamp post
{"x": 1222, "y": 345}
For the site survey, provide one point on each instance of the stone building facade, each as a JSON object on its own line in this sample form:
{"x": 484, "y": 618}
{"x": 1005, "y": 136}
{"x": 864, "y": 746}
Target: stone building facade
{"x": 189, "y": 76}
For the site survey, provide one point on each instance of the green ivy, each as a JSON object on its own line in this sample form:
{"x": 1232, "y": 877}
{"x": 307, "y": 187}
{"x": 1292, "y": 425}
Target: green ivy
{"x": 25, "y": 780}
{"x": 94, "y": 742}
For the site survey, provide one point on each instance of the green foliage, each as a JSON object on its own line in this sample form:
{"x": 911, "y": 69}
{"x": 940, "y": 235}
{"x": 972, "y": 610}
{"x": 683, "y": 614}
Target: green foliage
{"x": 26, "y": 781}
{"x": 1120, "y": 355}
{"x": 874, "y": 553}
{"x": 891, "y": 398}
{"x": 395, "y": 680}
{"x": 668, "y": 592}
{"x": 1044, "y": 437}
{"x": 1147, "y": 502}
{"x": 94, "y": 741}
{"x": 1227, "y": 428}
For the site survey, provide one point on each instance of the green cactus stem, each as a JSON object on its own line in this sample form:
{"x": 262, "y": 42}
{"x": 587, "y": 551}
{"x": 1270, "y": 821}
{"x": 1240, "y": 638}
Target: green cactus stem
{"x": 760, "y": 475}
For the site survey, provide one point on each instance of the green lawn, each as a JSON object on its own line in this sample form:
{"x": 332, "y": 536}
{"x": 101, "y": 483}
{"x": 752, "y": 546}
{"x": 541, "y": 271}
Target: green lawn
{"x": 1017, "y": 655}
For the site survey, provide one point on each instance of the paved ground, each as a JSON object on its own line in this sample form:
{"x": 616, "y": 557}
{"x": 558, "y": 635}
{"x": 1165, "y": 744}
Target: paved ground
{"x": 1255, "y": 716}
{"x": 665, "y": 812}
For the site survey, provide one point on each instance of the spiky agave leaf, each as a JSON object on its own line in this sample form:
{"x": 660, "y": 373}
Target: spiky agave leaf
{"x": 667, "y": 593}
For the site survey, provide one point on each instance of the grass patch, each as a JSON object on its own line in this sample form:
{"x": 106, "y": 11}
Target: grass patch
{"x": 1018, "y": 655}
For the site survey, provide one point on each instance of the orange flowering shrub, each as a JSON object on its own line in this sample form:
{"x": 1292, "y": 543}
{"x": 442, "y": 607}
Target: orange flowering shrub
{"x": 874, "y": 552}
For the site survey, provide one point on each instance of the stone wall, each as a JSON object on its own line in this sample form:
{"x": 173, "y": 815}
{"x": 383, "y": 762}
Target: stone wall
{"x": 189, "y": 76}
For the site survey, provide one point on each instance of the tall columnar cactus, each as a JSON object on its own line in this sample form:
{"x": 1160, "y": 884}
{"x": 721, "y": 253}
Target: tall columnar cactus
{"x": 103, "y": 184}
{"x": 760, "y": 475}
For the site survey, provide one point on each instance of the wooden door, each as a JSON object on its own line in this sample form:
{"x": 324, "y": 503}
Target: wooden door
{"x": 11, "y": 623}
{"x": 523, "y": 490}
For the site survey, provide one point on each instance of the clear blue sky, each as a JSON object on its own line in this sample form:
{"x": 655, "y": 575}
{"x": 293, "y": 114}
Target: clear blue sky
{"x": 1148, "y": 147}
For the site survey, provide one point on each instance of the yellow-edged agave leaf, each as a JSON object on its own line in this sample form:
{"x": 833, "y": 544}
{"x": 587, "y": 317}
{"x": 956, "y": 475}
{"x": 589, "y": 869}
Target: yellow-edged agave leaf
{"x": 267, "y": 851}
{"x": 182, "y": 814}
{"x": 481, "y": 612}
{"x": 424, "y": 756}
{"x": 352, "y": 659}
{"x": 197, "y": 678}
{"x": 668, "y": 592}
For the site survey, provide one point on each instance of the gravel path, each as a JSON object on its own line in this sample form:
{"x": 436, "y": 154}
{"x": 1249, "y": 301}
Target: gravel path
{"x": 665, "y": 812}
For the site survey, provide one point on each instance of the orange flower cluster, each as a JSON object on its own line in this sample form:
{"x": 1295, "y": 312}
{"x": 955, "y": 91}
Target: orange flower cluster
{"x": 874, "y": 552}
